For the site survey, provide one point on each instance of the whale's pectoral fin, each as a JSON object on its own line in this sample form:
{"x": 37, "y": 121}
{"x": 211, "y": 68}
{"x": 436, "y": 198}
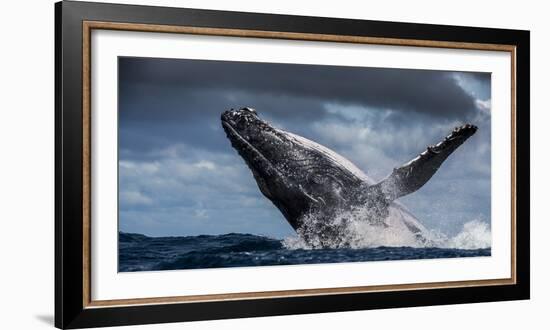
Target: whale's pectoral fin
{"x": 411, "y": 176}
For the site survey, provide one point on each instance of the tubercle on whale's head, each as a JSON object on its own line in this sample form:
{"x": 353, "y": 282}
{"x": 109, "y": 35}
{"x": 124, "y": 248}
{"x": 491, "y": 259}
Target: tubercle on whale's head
{"x": 244, "y": 121}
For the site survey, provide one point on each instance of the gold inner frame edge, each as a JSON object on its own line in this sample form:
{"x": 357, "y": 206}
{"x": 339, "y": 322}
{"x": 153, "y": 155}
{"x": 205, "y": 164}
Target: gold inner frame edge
{"x": 88, "y": 26}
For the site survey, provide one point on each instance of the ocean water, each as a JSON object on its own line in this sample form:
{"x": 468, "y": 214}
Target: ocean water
{"x": 142, "y": 253}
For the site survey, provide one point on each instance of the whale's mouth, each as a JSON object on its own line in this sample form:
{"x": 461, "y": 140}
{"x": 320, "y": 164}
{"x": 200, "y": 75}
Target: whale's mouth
{"x": 262, "y": 168}
{"x": 253, "y": 157}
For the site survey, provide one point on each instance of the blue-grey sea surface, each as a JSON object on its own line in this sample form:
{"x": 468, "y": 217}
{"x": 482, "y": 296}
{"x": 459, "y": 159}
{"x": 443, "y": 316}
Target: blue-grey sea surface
{"x": 142, "y": 253}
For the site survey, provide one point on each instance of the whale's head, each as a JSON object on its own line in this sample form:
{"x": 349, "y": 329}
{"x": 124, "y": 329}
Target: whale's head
{"x": 296, "y": 174}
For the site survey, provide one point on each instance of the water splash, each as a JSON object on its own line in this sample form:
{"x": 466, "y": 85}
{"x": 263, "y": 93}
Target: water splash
{"x": 475, "y": 234}
{"x": 399, "y": 229}
{"x": 351, "y": 229}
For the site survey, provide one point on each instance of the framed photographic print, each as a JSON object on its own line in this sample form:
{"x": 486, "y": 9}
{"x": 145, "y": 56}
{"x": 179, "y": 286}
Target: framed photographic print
{"x": 218, "y": 164}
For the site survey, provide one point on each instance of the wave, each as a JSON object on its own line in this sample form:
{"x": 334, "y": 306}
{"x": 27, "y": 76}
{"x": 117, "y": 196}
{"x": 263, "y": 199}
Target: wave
{"x": 141, "y": 253}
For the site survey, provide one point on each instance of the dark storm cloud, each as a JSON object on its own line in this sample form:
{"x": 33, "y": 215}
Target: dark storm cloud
{"x": 154, "y": 117}
{"x": 179, "y": 84}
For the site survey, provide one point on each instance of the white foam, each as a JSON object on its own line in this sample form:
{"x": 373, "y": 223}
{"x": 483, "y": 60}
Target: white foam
{"x": 475, "y": 234}
{"x": 359, "y": 233}
{"x": 356, "y": 232}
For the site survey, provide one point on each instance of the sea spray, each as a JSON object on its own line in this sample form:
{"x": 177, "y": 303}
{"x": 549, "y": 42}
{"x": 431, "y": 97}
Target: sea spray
{"x": 357, "y": 233}
{"x": 359, "y": 228}
{"x": 475, "y": 234}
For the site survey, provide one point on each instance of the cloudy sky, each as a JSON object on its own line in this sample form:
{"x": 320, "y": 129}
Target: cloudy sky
{"x": 179, "y": 175}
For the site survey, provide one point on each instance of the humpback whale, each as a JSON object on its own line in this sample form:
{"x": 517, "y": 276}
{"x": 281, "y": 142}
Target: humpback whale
{"x": 323, "y": 195}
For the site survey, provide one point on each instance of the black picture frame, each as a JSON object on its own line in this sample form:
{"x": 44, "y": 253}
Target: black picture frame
{"x": 70, "y": 180}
